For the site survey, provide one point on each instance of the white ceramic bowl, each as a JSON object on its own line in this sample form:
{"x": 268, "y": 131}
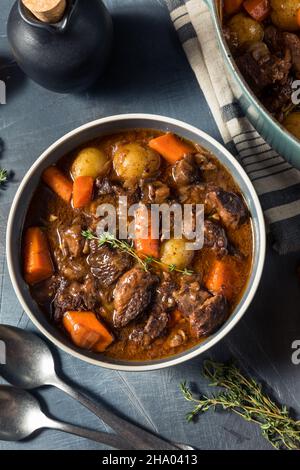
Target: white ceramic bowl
{"x": 84, "y": 134}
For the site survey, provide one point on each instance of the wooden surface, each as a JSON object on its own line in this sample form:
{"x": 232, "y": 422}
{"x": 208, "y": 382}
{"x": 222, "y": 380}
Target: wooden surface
{"x": 148, "y": 73}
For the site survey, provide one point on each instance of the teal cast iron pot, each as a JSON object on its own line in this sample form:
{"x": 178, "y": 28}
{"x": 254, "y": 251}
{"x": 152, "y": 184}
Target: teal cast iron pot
{"x": 276, "y": 135}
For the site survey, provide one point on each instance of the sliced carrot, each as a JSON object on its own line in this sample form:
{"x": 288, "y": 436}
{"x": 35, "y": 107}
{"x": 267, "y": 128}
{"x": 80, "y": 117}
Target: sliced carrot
{"x": 170, "y": 147}
{"x": 298, "y": 18}
{"x": 87, "y": 331}
{"x": 82, "y": 191}
{"x": 221, "y": 279}
{"x": 148, "y": 246}
{"x": 258, "y": 9}
{"x": 232, "y": 6}
{"x": 38, "y": 264}
{"x": 58, "y": 182}
{"x": 175, "y": 318}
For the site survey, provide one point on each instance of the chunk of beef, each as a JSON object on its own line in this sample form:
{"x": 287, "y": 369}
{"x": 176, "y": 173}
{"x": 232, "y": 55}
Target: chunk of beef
{"x": 164, "y": 292}
{"x": 292, "y": 42}
{"x": 75, "y": 296}
{"x": 264, "y": 73}
{"x": 208, "y": 317}
{"x": 107, "y": 264}
{"x": 205, "y": 312}
{"x": 68, "y": 297}
{"x": 230, "y": 207}
{"x": 204, "y": 162}
{"x": 108, "y": 188}
{"x": 104, "y": 187}
{"x": 259, "y": 52}
{"x": 154, "y": 192}
{"x": 72, "y": 241}
{"x": 192, "y": 194}
{"x": 215, "y": 238}
{"x": 277, "y": 98}
{"x": 132, "y": 295}
{"x": 278, "y": 70}
{"x": 158, "y": 318}
{"x": 190, "y": 294}
{"x": 155, "y": 326}
{"x": 274, "y": 40}
{"x": 90, "y": 292}
{"x": 73, "y": 269}
{"x": 186, "y": 171}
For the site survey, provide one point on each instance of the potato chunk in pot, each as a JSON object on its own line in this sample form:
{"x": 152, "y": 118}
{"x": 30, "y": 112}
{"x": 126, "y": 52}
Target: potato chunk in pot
{"x": 284, "y": 14}
{"x": 246, "y": 30}
{"x": 133, "y": 161}
{"x": 90, "y": 161}
{"x": 174, "y": 252}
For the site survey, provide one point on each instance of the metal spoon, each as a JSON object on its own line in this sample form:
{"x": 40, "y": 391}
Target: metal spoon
{"x": 21, "y": 416}
{"x": 30, "y": 364}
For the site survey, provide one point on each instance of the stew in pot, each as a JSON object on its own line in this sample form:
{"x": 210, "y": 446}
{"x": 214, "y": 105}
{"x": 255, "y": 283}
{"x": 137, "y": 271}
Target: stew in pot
{"x": 142, "y": 297}
{"x": 263, "y": 36}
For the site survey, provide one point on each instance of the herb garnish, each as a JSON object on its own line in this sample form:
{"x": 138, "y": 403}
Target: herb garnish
{"x": 244, "y": 396}
{"x": 3, "y": 176}
{"x": 146, "y": 262}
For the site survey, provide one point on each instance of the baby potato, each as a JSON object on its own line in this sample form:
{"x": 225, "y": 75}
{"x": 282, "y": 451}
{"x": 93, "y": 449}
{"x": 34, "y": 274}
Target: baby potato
{"x": 90, "y": 161}
{"x": 245, "y": 29}
{"x": 292, "y": 123}
{"x": 133, "y": 161}
{"x": 284, "y": 14}
{"x": 173, "y": 251}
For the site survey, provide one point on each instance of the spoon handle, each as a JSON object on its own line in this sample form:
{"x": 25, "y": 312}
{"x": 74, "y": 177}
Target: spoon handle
{"x": 111, "y": 440}
{"x": 138, "y": 437}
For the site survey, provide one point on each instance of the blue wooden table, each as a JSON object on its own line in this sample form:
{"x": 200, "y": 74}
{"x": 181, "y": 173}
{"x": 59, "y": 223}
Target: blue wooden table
{"x": 148, "y": 73}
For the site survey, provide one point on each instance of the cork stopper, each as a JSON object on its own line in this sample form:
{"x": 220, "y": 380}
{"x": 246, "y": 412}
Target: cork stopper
{"x": 48, "y": 11}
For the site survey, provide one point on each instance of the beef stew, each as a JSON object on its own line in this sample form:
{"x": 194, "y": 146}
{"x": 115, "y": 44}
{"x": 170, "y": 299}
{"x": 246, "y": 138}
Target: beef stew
{"x": 144, "y": 298}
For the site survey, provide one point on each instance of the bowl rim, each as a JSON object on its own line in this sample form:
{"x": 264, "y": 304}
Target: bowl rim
{"x": 274, "y": 123}
{"x": 172, "y": 360}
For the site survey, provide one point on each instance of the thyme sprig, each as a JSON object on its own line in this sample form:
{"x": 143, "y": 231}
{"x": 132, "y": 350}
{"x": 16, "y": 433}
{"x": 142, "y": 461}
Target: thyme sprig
{"x": 245, "y": 397}
{"x": 3, "y": 176}
{"x": 109, "y": 239}
{"x": 125, "y": 247}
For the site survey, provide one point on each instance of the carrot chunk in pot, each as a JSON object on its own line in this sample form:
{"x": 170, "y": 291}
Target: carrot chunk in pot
{"x": 82, "y": 191}
{"x": 58, "y": 182}
{"x": 258, "y": 9}
{"x": 232, "y": 6}
{"x": 221, "y": 279}
{"x": 149, "y": 245}
{"x": 87, "y": 331}
{"x": 38, "y": 264}
{"x": 170, "y": 147}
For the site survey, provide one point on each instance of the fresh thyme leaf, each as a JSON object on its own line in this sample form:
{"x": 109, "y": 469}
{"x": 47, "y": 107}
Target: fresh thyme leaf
{"x": 145, "y": 262}
{"x": 188, "y": 272}
{"x": 3, "y": 176}
{"x": 87, "y": 234}
{"x": 245, "y": 397}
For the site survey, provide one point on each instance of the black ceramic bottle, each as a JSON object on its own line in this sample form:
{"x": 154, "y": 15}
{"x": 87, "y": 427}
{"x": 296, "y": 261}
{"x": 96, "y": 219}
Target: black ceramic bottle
{"x": 67, "y": 56}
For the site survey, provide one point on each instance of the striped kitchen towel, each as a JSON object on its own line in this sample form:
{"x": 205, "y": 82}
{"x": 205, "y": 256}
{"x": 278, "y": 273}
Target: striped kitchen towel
{"x": 276, "y": 181}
